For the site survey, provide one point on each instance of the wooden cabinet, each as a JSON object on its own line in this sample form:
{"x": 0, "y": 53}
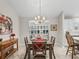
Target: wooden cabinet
{"x": 7, "y": 48}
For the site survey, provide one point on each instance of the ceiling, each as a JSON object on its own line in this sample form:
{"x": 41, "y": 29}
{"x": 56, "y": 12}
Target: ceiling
{"x": 49, "y": 8}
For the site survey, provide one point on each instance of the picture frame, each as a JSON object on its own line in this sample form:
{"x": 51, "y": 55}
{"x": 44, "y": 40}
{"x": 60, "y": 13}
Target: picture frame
{"x": 5, "y": 25}
{"x": 53, "y": 27}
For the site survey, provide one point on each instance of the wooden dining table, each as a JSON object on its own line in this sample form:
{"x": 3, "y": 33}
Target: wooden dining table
{"x": 48, "y": 44}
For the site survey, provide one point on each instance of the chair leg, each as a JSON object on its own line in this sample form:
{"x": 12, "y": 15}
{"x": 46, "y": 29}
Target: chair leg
{"x": 78, "y": 47}
{"x": 45, "y": 56}
{"x": 25, "y": 54}
{"x": 33, "y": 52}
{"x": 53, "y": 53}
{"x": 2, "y": 55}
{"x": 74, "y": 51}
{"x": 67, "y": 50}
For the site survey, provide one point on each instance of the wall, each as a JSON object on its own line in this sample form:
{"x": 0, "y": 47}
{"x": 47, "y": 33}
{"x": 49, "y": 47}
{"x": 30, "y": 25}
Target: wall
{"x": 54, "y": 21}
{"x": 24, "y": 27}
{"x": 7, "y": 10}
{"x": 60, "y": 29}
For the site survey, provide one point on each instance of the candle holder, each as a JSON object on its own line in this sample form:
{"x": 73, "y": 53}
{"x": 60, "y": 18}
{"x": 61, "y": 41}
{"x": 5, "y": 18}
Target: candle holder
{"x": 1, "y": 39}
{"x": 12, "y": 36}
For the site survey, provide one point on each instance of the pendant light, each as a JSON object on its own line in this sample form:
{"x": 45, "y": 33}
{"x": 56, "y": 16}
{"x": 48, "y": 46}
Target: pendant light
{"x": 39, "y": 18}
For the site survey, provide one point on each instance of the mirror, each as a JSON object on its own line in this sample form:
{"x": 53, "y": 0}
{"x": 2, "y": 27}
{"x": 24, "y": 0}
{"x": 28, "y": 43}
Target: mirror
{"x": 5, "y": 24}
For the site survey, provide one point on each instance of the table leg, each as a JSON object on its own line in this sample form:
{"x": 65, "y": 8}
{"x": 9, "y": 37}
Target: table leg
{"x": 72, "y": 52}
{"x": 29, "y": 54}
{"x": 26, "y": 54}
{"x": 53, "y": 53}
{"x": 50, "y": 53}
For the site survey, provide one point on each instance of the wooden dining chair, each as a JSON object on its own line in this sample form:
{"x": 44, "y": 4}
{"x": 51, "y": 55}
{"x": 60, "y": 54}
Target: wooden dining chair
{"x": 72, "y": 46}
{"x": 53, "y": 43}
{"x": 52, "y": 38}
{"x": 26, "y": 41}
{"x": 39, "y": 49}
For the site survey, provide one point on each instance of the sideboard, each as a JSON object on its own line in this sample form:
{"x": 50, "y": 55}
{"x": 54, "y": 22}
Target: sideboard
{"x": 8, "y": 47}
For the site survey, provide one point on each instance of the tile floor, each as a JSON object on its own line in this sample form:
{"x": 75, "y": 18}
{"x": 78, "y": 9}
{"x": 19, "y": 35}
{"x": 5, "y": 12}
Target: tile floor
{"x": 59, "y": 52}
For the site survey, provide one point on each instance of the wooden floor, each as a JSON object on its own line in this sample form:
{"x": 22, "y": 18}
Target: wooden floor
{"x": 60, "y": 53}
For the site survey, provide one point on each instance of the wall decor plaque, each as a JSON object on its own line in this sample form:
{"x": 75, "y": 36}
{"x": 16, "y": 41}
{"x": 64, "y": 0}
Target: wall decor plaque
{"x": 54, "y": 27}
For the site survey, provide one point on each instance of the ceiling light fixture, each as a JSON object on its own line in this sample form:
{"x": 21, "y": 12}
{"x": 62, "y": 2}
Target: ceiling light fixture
{"x": 40, "y": 18}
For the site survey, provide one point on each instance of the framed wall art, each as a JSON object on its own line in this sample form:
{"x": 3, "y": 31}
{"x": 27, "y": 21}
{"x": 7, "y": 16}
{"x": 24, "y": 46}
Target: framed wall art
{"x": 53, "y": 27}
{"x": 5, "y": 24}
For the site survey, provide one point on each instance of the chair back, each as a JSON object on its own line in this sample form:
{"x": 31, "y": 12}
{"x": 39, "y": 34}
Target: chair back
{"x": 69, "y": 38}
{"x": 52, "y": 37}
{"x": 26, "y": 41}
{"x": 53, "y": 40}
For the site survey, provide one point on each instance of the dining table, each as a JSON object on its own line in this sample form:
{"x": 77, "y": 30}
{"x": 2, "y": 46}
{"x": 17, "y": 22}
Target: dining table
{"x": 76, "y": 38}
{"x": 48, "y": 44}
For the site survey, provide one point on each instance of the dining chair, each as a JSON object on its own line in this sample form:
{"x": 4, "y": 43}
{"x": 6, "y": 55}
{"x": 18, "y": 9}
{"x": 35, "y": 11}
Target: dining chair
{"x": 39, "y": 49}
{"x": 53, "y": 43}
{"x": 72, "y": 46}
{"x": 52, "y": 38}
{"x": 26, "y": 41}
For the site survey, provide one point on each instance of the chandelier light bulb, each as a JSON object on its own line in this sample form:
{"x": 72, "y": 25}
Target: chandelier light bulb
{"x": 35, "y": 18}
{"x": 43, "y": 18}
{"x": 39, "y": 17}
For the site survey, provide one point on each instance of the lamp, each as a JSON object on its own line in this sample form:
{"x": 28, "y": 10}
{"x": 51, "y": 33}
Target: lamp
{"x": 40, "y": 18}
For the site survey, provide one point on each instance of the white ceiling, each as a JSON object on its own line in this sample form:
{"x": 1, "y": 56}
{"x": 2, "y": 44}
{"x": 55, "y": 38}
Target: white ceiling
{"x": 49, "y": 8}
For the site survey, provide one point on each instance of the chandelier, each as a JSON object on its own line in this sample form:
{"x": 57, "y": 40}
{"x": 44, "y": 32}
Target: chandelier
{"x": 39, "y": 18}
